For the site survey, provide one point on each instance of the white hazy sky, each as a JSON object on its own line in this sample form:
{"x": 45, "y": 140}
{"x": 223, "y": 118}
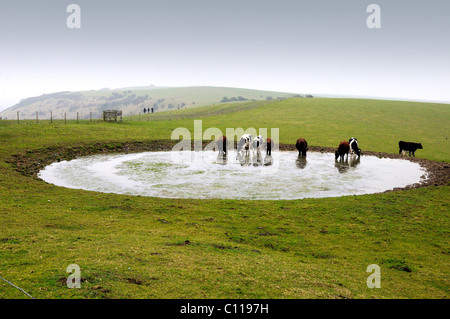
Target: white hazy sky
{"x": 317, "y": 47}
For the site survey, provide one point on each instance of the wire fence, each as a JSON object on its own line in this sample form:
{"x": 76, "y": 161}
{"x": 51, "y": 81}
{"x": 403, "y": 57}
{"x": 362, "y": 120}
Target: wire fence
{"x": 186, "y": 113}
{"x": 74, "y": 117}
{"x": 18, "y": 288}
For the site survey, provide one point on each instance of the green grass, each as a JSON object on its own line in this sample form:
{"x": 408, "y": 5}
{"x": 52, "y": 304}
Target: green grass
{"x": 378, "y": 125}
{"x": 205, "y": 111}
{"x": 139, "y": 247}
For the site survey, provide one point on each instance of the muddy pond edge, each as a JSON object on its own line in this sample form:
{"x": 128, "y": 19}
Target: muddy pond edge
{"x": 30, "y": 162}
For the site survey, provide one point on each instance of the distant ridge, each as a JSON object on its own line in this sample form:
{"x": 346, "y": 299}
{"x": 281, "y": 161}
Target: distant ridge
{"x": 132, "y": 100}
{"x": 367, "y": 97}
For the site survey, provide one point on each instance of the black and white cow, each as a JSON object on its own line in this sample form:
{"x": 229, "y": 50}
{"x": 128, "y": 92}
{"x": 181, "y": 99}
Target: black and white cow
{"x": 354, "y": 147}
{"x": 222, "y": 145}
{"x": 244, "y": 144}
{"x": 258, "y": 143}
{"x": 409, "y": 147}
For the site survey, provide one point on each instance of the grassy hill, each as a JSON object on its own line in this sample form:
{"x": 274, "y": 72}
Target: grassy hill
{"x": 130, "y": 101}
{"x": 377, "y": 124}
{"x": 143, "y": 247}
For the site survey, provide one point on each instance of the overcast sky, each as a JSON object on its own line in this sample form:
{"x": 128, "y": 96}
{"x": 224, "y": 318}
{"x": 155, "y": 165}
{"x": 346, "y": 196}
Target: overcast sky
{"x": 317, "y": 46}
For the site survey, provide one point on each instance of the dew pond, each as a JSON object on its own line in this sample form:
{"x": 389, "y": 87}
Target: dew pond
{"x": 204, "y": 175}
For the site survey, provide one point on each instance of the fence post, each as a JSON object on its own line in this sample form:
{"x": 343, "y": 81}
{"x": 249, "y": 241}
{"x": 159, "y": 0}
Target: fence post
{"x": 17, "y": 117}
{"x": 90, "y": 117}
{"x": 77, "y": 117}
{"x": 37, "y": 118}
{"x": 51, "y": 117}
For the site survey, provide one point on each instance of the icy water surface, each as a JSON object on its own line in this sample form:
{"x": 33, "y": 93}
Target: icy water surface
{"x": 207, "y": 175}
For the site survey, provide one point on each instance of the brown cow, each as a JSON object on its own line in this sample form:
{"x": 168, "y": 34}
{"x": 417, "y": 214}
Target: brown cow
{"x": 301, "y": 147}
{"x": 344, "y": 148}
{"x": 269, "y": 145}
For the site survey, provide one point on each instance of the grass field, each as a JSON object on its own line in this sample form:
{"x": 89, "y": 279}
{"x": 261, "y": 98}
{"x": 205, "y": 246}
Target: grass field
{"x": 139, "y": 247}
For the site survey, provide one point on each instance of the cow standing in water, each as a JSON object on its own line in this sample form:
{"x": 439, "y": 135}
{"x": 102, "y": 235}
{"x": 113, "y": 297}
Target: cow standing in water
{"x": 257, "y": 143}
{"x": 301, "y": 146}
{"x": 222, "y": 145}
{"x": 269, "y": 145}
{"x": 343, "y": 149}
{"x": 244, "y": 144}
{"x": 409, "y": 147}
{"x": 354, "y": 147}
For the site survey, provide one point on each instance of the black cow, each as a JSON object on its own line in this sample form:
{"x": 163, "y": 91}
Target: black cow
{"x": 222, "y": 145}
{"x": 409, "y": 147}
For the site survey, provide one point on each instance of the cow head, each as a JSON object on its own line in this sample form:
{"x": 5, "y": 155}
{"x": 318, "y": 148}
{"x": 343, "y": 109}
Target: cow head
{"x": 420, "y": 146}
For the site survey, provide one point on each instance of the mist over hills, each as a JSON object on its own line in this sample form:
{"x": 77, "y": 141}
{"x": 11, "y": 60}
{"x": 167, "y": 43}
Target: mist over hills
{"x": 132, "y": 100}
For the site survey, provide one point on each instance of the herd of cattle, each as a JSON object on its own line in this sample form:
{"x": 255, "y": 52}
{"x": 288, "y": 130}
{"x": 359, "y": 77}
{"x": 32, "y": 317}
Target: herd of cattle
{"x": 247, "y": 144}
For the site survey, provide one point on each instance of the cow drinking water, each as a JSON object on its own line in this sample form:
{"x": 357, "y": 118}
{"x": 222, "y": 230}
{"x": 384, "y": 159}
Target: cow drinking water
{"x": 354, "y": 147}
{"x": 302, "y": 146}
{"x": 222, "y": 145}
{"x": 244, "y": 144}
{"x": 343, "y": 149}
{"x": 257, "y": 143}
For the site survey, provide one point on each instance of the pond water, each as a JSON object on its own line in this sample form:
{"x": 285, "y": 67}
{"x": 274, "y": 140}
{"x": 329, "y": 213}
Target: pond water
{"x": 205, "y": 175}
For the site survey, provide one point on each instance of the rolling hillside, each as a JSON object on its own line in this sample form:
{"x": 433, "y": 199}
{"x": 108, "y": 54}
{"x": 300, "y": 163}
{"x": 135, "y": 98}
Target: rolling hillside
{"x": 149, "y": 247}
{"x": 131, "y": 101}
